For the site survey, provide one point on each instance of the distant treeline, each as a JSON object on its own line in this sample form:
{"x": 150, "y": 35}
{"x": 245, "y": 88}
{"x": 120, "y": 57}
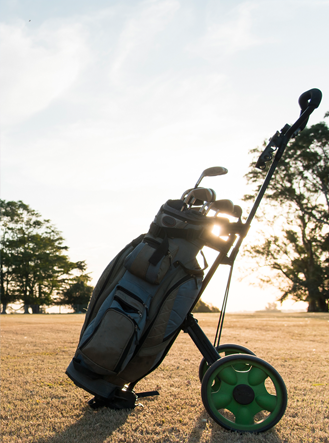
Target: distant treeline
{"x": 201, "y": 306}
{"x": 35, "y": 270}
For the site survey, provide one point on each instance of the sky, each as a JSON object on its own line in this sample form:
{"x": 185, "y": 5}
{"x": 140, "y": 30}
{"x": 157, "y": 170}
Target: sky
{"x": 110, "y": 108}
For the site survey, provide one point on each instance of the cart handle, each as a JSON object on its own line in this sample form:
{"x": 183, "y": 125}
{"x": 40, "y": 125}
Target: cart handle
{"x": 308, "y": 101}
{"x": 310, "y": 98}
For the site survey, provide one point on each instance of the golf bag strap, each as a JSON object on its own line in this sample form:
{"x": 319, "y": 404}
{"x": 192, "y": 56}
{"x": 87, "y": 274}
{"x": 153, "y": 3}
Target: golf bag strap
{"x": 186, "y": 234}
{"x": 204, "y": 261}
{"x": 160, "y": 252}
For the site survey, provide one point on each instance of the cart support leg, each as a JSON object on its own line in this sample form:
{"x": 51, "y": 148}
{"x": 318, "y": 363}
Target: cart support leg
{"x": 202, "y": 342}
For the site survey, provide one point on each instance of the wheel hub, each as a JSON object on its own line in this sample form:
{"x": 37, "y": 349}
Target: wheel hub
{"x": 243, "y": 394}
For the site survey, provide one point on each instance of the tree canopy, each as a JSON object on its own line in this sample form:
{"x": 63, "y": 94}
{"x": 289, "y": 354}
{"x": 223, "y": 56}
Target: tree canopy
{"x": 295, "y": 239}
{"x": 34, "y": 266}
{"x": 201, "y": 306}
{"x": 77, "y": 294}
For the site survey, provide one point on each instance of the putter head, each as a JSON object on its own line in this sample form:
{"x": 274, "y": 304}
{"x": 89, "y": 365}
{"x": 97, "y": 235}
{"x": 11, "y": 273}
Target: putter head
{"x": 211, "y": 172}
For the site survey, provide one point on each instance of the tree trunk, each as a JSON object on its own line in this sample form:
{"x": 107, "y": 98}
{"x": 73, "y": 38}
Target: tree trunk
{"x": 312, "y": 306}
{"x": 35, "y": 309}
{"x": 319, "y": 305}
{"x": 316, "y": 298}
{"x": 4, "y": 308}
{"x": 26, "y": 309}
{"x": 323, "y": 307}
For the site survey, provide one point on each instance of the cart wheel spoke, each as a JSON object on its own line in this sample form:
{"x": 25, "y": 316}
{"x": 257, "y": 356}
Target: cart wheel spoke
{"x": 216, "y": 384}
{"x": 244, "y": 416}
{"x": 267, "y": 402}
{"x": 229, "y": 376}
{"x": 220, "y": 400}
{"x": 256, "y": 376}
{"x": 223, "y": 351}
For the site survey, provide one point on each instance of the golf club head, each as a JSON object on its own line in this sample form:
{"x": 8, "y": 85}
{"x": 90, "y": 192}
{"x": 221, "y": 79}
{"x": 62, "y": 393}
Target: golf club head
{"x": 201, "y": 194}
{"x": 211, "y": 172}
{"x": 223, "y": 206}
{"x": 237, "y": 211}
{"x": 184, "y": 195}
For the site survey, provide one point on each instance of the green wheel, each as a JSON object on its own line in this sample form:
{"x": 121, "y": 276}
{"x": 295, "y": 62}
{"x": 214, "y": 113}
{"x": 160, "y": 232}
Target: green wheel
{"x": 223, "y": 351}
{"x": 250, "y": 400}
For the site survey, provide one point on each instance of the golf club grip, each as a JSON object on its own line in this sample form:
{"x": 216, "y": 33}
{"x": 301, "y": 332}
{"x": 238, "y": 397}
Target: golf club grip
{"x": 310, "y": 98}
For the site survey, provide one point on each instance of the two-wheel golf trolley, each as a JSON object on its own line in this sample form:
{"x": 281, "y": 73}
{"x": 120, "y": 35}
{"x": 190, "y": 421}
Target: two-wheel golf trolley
{"x": 146, "y": 295}
{"x": 234, "y": 387}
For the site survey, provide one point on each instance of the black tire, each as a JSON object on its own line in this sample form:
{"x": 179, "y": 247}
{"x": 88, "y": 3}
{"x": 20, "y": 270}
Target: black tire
{"x": 226, "y": 349}
{"x": 241, "y": 401}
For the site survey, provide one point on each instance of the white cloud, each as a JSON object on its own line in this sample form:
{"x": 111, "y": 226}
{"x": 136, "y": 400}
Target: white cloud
{"x": 38, "y": 66}
{"x": 139, "y": 31}
{"x": 228, "y": 35}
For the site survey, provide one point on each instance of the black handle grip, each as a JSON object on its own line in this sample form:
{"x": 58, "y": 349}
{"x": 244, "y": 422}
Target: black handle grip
{"x": 310, "y": 98}
{"x": 308, "y": 101}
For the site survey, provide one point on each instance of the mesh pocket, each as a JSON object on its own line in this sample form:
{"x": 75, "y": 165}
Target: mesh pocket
{"x": 112, "y": 337}
{"x": 111, "y": 340}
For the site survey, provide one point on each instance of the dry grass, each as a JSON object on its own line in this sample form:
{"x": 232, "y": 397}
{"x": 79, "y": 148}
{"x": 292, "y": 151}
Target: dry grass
{"x": 40, "y": 404}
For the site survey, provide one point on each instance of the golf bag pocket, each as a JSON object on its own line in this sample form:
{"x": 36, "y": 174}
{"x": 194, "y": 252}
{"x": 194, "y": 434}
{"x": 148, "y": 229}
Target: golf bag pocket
{"x": 151, "y": 260}
{"x": 116, "y": 334}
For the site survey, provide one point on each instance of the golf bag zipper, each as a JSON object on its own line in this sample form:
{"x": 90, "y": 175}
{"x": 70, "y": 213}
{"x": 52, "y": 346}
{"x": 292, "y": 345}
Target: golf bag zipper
{"x": 126, "y": 306}
{"x": 132, "y": 295}
{"x": 124, "y": 355}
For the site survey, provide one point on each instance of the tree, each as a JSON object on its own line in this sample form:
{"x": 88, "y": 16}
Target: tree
{"x": 8, "y": 293}
{"x": 77, "y": 294}
{"x": 295, "y": 244}
{"x": 34, "y": 266}
{"x": 201, "y": 306}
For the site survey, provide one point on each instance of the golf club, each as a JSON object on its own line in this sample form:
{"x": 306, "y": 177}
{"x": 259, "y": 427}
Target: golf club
{"x": 211, "y": 172}
{"x": 225, "y": 206}
{"x": 237, "y": 211}
{"x": 199, "y": 195}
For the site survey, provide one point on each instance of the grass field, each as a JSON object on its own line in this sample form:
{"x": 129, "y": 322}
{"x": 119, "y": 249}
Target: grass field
{"x": 40, "y": 404}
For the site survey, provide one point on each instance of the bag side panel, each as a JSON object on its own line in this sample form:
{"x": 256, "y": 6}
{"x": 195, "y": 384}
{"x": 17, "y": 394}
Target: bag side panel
{"x": 107, "y": 281}
{"x": 166, "y": 324}
{"x": 112, "y": 336}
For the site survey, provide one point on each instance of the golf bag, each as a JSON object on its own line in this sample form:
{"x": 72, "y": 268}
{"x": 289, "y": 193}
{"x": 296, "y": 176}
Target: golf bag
{"x": 138, "y": 306}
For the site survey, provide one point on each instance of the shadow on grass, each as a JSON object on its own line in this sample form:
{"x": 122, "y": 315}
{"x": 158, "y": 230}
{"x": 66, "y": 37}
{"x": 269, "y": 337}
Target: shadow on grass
{"x": 207, "y": 430}
{"x": 94, "y": 426}
{"x": 98, "y": 427}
